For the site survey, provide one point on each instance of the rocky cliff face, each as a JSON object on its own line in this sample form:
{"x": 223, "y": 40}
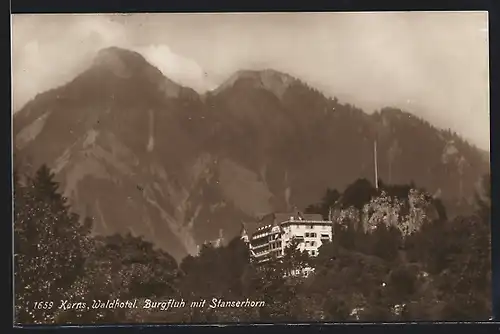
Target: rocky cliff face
{"x": 139, "y": 153}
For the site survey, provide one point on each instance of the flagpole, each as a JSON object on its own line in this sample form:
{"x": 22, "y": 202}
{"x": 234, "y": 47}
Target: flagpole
{"x": 375, "y": 163}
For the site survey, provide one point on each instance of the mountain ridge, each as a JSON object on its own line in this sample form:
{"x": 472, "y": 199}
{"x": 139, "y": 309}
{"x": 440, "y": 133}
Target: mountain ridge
{"x": 139, "y": 153}
{"x": 134, "y": 57}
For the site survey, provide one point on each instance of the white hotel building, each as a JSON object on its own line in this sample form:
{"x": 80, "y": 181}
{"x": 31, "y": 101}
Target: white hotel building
{"x": 274, "y": 232}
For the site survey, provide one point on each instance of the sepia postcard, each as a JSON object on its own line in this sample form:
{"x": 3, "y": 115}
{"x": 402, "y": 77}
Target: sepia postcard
{"x": 251, "y": 168}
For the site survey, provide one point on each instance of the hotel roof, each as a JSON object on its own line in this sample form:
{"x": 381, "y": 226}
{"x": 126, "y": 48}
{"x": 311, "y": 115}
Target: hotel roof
{"x": 283, "y": 217}
{"x": 274, "y": 219}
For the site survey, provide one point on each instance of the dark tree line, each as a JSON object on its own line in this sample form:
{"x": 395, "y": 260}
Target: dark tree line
{"x": 443, "y": 271}
{"x": 440, "y": 272}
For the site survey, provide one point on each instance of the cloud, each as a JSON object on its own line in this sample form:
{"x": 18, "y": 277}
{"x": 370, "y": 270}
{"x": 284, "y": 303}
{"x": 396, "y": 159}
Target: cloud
{"x": 434, "y": 65}
{"x": 50, "y": 50}
{"x": 182, "y": 70}
{"x": 44, "y": 57}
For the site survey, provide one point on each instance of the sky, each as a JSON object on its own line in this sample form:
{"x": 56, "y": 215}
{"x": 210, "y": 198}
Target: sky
{"x": 432, "y": 64}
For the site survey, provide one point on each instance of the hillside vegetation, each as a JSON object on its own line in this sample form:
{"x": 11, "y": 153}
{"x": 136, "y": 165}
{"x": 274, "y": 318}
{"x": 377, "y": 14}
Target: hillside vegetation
{"x": 395, "y": 256}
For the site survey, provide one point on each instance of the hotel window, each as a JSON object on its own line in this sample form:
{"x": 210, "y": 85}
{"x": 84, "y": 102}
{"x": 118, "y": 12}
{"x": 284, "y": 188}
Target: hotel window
{"x": 307, "y": 235}
{"x": 313, "y": 243}
{"x": 307, "y": 243}
{"x": 313, "y": 252}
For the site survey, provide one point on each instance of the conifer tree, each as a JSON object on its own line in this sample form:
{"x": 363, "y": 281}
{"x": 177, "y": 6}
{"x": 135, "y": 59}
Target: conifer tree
{"x": 51, "y": 245}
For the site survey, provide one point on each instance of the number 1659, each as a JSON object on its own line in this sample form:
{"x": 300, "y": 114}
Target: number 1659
{"x": 43, "y": 305}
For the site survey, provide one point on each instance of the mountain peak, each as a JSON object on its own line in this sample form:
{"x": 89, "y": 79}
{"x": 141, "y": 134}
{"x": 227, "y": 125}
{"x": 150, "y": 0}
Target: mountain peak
{"x": 269, "y": 79}
{"x": 263, "y": 74}
{"x": 123, "y": 62}
{"x": 114, "y": 53}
